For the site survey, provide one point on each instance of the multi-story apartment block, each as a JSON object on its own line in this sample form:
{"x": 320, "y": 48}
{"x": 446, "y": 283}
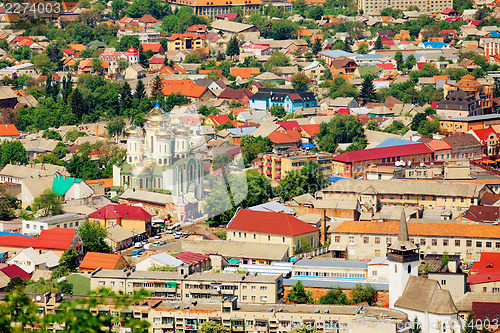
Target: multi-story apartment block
{"x": 276, "y": 165}
{"x": 425, "y": 6}
{"x": 199, "y": 286}
{"x": 144, "y": 35}
{"x": 364, "y": 240}
{"x": 66, "y": 220}
{"x": 407, "y": 192}
{"x": 185, "y": 41}
{"x": 213, "y": 8}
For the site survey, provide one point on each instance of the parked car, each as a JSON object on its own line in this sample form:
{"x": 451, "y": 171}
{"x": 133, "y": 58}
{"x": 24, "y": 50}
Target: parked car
{"x": 177, "y": 235}
{"x": 156, "y": 243}
{"x": 158, "y": 236}
{"x": 162, "y": 242}
{"x": 138, "y": 245}
{"x": 138, "y": 252}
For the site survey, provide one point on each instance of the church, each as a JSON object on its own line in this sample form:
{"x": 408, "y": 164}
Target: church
{"x": 159, "y": 158}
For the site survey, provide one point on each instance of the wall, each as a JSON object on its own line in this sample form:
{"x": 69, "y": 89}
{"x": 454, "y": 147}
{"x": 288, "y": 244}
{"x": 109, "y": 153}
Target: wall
{"x": 262, "y": 238}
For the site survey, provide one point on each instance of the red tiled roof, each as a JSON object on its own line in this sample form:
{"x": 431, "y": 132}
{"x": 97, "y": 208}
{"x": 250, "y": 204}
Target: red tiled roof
{"x": 237, "y": 94}
{"x": 483, "y": 214}
{"x": 57, "y": 239}
{"x": 197, "y": 27}
{"x": 311, "y": 129}
{"x": 155, "y": 47}
{"x": 387, "y": 66}
{"x": 148, "y": 19}
{"x": 483, "y": 278}
{"x": 343, "y": 111}
{"x": 8, "y": 130}
{"x": 191, "y": 257}
{"x": 387, "y": 41}
{"x": 290, "y": 125}
{"x": 483, "y": 134}
{"x": 14, "y": 270}
{"x": 438, "y": 145}
{"x": 385, "y": 152}
{"x": 219, "y": 119}
{"x": 284, "y": 136}
{"x": 488, "y": 263}
{"x": 449, "y": 11}
{"x": 183, "y": 36}
{"x": 228, "y": 16}
{"x": 269, "y": 223}
{"x": 486, "y": 311}
{"x": 94, "y": 260}
{"x": 489, "y": 199}
{"x": 121, "y": 211}
{"x": 69, "y": 51}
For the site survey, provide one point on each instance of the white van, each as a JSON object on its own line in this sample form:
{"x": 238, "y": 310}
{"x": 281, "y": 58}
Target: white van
{"x": 138, "y": 245}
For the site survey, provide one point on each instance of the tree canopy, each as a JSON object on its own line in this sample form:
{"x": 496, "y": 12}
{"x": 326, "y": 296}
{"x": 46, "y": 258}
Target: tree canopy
{"x": 93, "y": 236}
{"x": 341, "y": 128}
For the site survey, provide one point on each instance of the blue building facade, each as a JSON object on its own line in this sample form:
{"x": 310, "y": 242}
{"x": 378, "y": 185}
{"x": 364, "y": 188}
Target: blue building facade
{"x": 290, "y": 99}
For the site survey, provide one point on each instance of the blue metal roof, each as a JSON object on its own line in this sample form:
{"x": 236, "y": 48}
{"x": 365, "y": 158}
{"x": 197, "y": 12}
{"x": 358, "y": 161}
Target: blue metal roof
{"x": 494, "y": 34}
{"x": 337, "y": 53}
{"x": 4, "y": 233}
{"x": 435, "y": 45}
{"x": 392, "y": 142}
{"x": 334, "y": 179}
{"x": 308, "y": 145}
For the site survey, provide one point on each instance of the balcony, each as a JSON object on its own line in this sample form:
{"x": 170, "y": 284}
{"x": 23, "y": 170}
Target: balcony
{"x": 268, "y": 172}
{"x": 269, "y": 165}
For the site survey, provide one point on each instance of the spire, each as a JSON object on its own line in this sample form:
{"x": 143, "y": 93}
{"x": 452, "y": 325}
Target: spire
{"x": 403, "y": 228}
{"x": 157, "y": 105}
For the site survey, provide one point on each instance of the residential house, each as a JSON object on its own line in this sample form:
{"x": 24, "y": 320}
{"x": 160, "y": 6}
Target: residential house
{"x": 197, "y": 29}
{"x": 459, "y": 104}
{"x": 344, "y": 65}
{"x": 315, "y": 70}
{"x": 185, "y": 41}
{"x": 30, "y": 260}
{"x": 486, "y": 214}
{"x": 65, "y": 220}
{"x": 243, "y": 73}
{"x": 256, "y": 49}
{"x": 131, "y": 218}
{"x": 9, "y": 132}
{"x": 144, "y": 35}
{"x": 70, "y": 188}
{"x": 165, "y": 205}
{"x": 147, "y": 21}
{"x": 242, "y": 95}
{"x": 285, "y": 140}
{"x": 16, "y": 173}
{"x": 464, "y": 146}
{"x": 465, "y": 124}
{"x": 273, "y": 228}
{"x": 232, "y": 28}
{"x": 95, "y": 260}
{"x": 158, "y": 260}
{"x": 135, "y": 72}
{"x": 8, "y": 100}
{"x": 156, "y": 48}
{"x": 187, "y": 88}
{"x": 119, "y": 238}
{"x": 290, "y": 99}
{"x": 489, "y": 138}
{"x": 442, "y": 150}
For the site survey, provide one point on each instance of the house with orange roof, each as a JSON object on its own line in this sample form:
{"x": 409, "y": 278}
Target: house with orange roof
{"x": 85, "y": 67}
{"x": 244, "y": 73}
{"x": 185, "y": 41}
{"x": 187, "y": 88}
{"x": 147, "y": 20}
{"x": 403, "y": 35}
{"x": 94, "y": 260}
{"x": 310, "y": 130}
{"x": 304, "y": 33}
{"x": 157, "y": 48}
{"x": 9, "y": 132}
{"x": 442, "y": 150}
{"x": 77, "y": 47}
{"x": 285, "y": 140}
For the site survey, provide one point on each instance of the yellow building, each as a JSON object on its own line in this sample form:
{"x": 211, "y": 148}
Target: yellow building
{"x": 272, "y": 228}
{"x": 131, "y": 218}
{"x": 275, "y": 166}
{"x": 185, "y": 42}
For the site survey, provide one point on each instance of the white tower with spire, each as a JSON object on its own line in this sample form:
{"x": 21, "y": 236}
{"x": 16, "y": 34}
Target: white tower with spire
{"x": 403, "y": 257}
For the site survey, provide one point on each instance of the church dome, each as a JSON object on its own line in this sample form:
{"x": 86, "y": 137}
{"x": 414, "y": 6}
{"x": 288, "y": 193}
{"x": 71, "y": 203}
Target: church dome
{"x": 181, "y": 130}
{"x": 157, "y": 114}
{"x": 164, "y": 133}
{"x": 132, "y": 50}
{"x": 133, "y": 130}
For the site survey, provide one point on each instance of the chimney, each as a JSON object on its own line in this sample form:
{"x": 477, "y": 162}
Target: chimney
{"x": 323, "y": 237}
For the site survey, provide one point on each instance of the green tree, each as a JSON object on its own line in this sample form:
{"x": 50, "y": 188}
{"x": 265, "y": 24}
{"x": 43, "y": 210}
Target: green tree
{"x": 445, "y": 259}
{"x": 48, "y": 203}
{"x": 277, "y": 59}
{"x": 233, "y": 47}
{"x": 157, "y": 87}
{"x": 309, "y": 179}
{"x": 363, "y": 48}
{"x": 396, "y": 127}
{"x": 372, "y": 125}
{"x": 76, "y": 103}
{"x": 410, "y": 61}
{"x": 277, "y": 111}
{"x": 470, "y": 324}
{"x": 140, "y": 91}
{"x": 128, "y": 41}
{"x": 7, "y": 205}
{"x": 316, "y": 47}
{"x": 97, "y": 66}
{"x": 212, "y": 327}
{"x": 122, "y": 64}
{"x": 299, "y": 295}
{"x": 93, "y": 236}
{"x": 252, "y": 146}
{"x": 12, "y": 152}
{"x": 367, "y": 293}
{"x": 300, "y": 81}
{"x": 52, "y": 135}
{"x": 115, "y": 127}
{"x": 334, "y": 296}
{"x": 69, "y": 260}
{"x": 417, "y": 328}
{"x": 17, "y": 311}
{"x": 163, "y": 268}
{"x": 220, "y": 161}
{"x": 341, "y": 128}
{"x": 367, "y": 93}
{"x": 14, "y": 283}
{"x": 417, "y": 119}
{"x": 43, "y": 63}
{"x": 429, "y": 127}
{"x": 399, "y": 59}
{"x": 327, "y": 75}
{"x": 378, "y": 44}
{"x": 82, "y": 167}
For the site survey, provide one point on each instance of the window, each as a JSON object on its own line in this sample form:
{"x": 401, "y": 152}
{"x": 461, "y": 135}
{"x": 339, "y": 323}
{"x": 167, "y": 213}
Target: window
{"x": 244, "y": 298}
{"x": 443, "y": 282}
{"x": 497, "y": 245}
{"x": 263, "y": 288}
{"x": 263, "y": 298}
{"x": 337, "y": 239}
{"x": 377, "y": 240}
{"x": 102, "y": 283}
{"x": 27, "y": 225}
{"x": 112, "y": 283}
{"x": 457, "y": 242}
{"x": 434, "y": 242}
{"x": 479, "y": 244}
{"x": 445, "y": 242}
{"x": 388, "y": 240}
{"x": 468, "y": 243}
{"x": 283, "y": 239}
{"x": 351, "y": 240}
{"x": 422, "y": 242}
{"x": 495, "y": 290}
{"x": 121, "y": 284}
{"x": 366, "y": 240}
{"x": 254, "y": 236}
{"x": 374, "y": 273}
{"x": 253, "y": 298}
{"x": 488, "y": 244}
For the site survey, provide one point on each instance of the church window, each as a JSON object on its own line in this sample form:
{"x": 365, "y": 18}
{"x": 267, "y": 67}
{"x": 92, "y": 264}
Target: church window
{"x": 165, "y": 161}
{"x": 395, "y": 268}
{"x": 159, "y": 161}
{"x": 409, "y": 269}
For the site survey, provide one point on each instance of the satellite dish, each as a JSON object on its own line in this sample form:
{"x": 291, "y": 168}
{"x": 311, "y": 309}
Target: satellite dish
{"x": 38, "y": 298}
{"x": 409, "y": 163}
{"x": 396, "y": 163}
{"x": 421, "y": 164}
{"x": 402, "y": 163}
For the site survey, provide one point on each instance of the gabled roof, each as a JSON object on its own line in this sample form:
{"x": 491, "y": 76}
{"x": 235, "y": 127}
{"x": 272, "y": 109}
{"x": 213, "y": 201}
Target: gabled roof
{"x": 220, "y": 119}
{"x": 460, "y": 140}
{"x": 147, "y": 19}
{"x": 284, "y": 136}
{"x": 236, "y": 94}
{"x": 56, "y": 238}
{"x": 270, "y": 223}
{"x": 484, "y": 133}
{"x": 62, "y": 184}
{"x": 483, "y": 214}
{"x": 121, "y": 211}
{"x": 290, "y": 125}
{"x": 94, "y": 260}
{"x": 191, "y": 257}
{"x": 486, "y": 310}
{"x": 185, "y": 87}
{"x": 244, "y": 73}
{"x": 488, "y": 263}
{"x": 14, "y": 270}
{"x": 437, "y": 145}
{"x": 155, "y": 47}
{"x": 197, "y": 27}
{"x": 312, "y": 129}
{"x": 385, "y": 152}
{"x": 8, "y": 130}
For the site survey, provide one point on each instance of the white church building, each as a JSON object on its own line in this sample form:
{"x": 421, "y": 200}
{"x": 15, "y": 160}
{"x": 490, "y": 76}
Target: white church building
{"x": 419, "y": 297}
{"x": 159, "y": 158}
